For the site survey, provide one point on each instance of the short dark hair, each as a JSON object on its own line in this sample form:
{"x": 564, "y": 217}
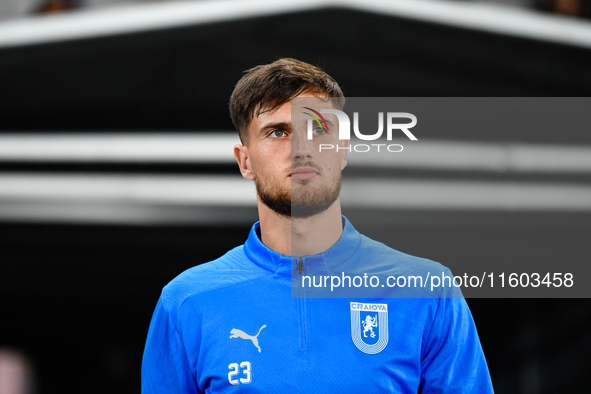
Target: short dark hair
{"x": 267, "y": 87}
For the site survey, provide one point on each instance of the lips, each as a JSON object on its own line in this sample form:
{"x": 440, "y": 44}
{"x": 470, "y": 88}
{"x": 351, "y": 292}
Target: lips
{"x": 303, "y": 173}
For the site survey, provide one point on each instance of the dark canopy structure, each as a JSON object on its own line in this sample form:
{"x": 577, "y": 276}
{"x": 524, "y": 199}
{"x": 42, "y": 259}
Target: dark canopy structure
{"x": 173, "y": 66}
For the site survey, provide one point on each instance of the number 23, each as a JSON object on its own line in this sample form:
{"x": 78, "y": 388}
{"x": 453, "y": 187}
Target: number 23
{"x": 235, "y": 371}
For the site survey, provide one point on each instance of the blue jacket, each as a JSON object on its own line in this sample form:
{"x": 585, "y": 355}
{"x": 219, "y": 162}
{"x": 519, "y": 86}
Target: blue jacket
{"x": 233, "y": 325}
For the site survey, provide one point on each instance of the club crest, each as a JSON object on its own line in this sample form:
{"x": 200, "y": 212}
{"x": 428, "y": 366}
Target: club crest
{"x": 369, "y": 326}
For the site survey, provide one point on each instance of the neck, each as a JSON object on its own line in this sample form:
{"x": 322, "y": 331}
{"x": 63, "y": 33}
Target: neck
{"x": 302, "y": 236}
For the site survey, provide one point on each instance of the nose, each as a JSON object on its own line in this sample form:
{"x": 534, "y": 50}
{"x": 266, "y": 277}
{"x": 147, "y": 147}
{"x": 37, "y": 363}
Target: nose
{"x": 301, "y": 148}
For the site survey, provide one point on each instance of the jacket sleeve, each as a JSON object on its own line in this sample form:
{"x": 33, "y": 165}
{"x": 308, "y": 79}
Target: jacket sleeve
{"x": 452, "y": 360}
{"x": 165, "y": 365}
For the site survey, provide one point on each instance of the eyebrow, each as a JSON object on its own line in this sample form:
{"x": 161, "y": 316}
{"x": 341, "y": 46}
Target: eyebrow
{"x": 328, "y": 122}
{"x": 278, "y": 125}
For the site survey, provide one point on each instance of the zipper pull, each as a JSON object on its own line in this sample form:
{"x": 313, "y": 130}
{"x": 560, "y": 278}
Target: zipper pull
{"x": 301, "y": 267}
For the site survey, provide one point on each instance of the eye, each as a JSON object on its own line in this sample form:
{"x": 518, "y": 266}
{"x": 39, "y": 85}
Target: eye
{"x": 319, "y": 130}
{"x": 278, "y": 133}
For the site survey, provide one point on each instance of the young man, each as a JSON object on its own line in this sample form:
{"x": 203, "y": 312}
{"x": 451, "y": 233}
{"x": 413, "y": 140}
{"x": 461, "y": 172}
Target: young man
{"x": 232, "y": 325}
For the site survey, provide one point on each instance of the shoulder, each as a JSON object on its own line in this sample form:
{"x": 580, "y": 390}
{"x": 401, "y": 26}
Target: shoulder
{"x": 232, "y": 268}
{"x": 421, "y": 277}
{"x": 389, "y": 261}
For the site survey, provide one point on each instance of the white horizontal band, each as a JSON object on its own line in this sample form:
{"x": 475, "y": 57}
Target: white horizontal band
{"x": 477, "y": 156}
{"x": 217, "y": 148}
{"x": 466, "y": 195}
{"x": 135, "y": 18}
{"x": 134, "y": 189}
{"x": 119, "y": 147}
{"x": 92, "y": 198}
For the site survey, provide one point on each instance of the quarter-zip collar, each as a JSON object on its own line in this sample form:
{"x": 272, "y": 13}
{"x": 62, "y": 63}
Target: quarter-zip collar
{"x": 268, "y": 259}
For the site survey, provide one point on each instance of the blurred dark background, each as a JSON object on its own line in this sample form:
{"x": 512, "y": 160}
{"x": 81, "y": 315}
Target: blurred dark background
{"x": 79, "y": 277}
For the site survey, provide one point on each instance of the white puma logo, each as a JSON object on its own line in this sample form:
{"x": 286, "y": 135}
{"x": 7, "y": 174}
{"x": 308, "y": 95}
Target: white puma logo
{"x": 236, "y": 333}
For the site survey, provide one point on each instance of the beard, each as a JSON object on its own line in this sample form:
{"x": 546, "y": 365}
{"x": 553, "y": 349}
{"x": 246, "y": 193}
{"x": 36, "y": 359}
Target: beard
{"x": 302, "y": 203}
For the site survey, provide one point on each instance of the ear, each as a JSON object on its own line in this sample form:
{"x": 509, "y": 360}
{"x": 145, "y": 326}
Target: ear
{"x": 344, "y": 144}
{"x": 241, "y": 154}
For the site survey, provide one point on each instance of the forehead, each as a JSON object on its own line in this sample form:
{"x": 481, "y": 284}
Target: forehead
{"x": 305, "y": 108}
{"x": 293, "y": 111}
{"x": 297, "y": 108}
